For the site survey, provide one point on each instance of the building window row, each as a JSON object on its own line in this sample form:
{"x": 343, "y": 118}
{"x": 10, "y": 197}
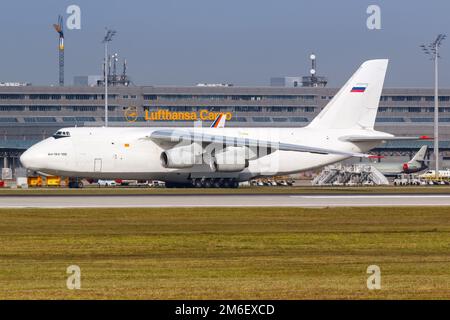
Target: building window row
{"x": 7, "y": 119}
{"x": 390, "y": 119}
{"x": 241, "y": 97}
{"x": 153, "y": 97}
{"x": 33, "y": 96}
{"x": 51, "y": 108}
{"x": 232, "y": 109}
{"x": 45, "y": 96}
{"x": 414, "y": 98}
{"x": 82, "y": 96}
{"x": 12, "y": 108}
{"x": 44, "y": 108}
{"x": 78, "y": 119}
{"x": 412, "y": 109}
{"x": 6, "y": 96}
{"x": 39, "y": 119}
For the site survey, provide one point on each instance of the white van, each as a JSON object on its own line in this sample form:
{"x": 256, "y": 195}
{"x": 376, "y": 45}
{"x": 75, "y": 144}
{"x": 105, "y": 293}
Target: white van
{"x": 106, "y": 183}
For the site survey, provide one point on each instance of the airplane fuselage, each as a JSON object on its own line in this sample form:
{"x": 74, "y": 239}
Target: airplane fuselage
{"x": 129, "y": 153}
{"x": 392, "y": 169}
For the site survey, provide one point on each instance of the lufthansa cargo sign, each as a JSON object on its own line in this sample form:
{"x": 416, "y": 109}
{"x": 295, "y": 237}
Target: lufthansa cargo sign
{"x": 131, "y": 115}
{"x": 166, "y": 115}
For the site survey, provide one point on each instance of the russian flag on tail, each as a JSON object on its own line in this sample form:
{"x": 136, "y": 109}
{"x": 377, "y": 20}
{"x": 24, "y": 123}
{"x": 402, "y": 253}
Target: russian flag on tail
{"x": 360, "y": 87}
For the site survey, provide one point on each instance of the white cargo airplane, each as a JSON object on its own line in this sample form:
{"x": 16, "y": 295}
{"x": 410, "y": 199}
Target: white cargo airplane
{"x": 218, "y": 156}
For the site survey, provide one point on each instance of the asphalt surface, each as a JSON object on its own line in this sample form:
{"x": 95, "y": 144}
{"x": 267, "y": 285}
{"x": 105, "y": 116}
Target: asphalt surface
{"x": 284, "y": 200}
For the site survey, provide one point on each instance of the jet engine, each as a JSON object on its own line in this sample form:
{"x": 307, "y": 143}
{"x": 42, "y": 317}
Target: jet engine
{"x": 231, "y": 159}
{"x": 181, "y": 157}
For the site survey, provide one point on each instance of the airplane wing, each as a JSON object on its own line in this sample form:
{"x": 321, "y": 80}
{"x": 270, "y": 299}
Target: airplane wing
{"x": 381, "y": 138}
{"x": 186, "y": 136}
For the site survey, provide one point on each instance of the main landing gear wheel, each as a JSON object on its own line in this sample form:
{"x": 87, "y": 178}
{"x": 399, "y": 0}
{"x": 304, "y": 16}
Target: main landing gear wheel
{"x": 197, "y": 183}
{"x": 207, "y": 183}
{"x": 215, "y": 183}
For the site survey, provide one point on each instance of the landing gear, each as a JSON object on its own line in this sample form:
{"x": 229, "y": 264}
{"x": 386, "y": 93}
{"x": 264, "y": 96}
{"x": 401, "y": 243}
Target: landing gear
{"x": 226, "y": 183}
{"x": 197, "y": 183}
{"x": 215, "y": 183}
{"x": 207, "y": 183}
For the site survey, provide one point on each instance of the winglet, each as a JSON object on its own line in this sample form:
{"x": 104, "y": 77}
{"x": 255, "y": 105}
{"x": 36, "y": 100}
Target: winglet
{"x": 425, "y": 138}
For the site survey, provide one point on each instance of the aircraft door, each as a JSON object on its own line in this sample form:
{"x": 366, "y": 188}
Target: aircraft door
{"x": 97, "y": 165}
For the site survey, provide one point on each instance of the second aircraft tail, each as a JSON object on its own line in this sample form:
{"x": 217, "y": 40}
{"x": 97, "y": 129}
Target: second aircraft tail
{"x": 420, "y": 155}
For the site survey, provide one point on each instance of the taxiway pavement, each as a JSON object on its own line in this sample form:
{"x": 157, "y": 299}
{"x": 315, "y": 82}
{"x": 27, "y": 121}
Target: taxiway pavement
{"x": 199, "y": 200}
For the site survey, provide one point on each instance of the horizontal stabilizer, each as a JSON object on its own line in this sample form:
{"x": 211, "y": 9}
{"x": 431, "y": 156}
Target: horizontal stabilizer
{"x": 381, "y": 138}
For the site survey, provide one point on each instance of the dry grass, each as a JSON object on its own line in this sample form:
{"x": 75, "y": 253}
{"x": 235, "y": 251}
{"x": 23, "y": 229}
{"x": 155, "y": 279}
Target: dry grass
{"x": 225, "y": 253}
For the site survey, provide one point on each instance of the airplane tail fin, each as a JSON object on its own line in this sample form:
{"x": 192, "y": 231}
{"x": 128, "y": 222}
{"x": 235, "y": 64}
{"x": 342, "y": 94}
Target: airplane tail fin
{"x": 420, "y": 155}
{"x": 355, "y": 106}
{"x": 219, "y": 122}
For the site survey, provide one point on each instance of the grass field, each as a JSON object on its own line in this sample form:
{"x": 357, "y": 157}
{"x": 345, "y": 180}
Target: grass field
{"x": 254, "y": 190}
{"x": 226, "y": 253}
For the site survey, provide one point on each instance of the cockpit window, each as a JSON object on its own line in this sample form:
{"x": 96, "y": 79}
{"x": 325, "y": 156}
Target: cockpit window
{"x": 61, "y": 134}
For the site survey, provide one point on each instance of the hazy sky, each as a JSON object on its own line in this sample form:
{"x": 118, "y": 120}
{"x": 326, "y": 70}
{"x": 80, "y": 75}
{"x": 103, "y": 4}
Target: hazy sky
{"x": 245, "y": 42}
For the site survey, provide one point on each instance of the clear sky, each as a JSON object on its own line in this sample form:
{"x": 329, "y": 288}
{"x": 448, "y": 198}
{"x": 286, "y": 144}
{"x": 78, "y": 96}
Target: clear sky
{"x": 245, "y": 42}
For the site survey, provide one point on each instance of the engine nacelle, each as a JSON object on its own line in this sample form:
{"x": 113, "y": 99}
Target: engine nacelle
{"x": 231, "y": 159}
{"x": 181, "y": 157}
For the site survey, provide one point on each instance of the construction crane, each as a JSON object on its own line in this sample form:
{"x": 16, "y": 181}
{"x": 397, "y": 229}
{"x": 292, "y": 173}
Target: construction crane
{"x": 59, "y": 28}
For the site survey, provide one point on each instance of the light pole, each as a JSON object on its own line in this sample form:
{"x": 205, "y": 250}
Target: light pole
{"x": 108, "y": 38}
{"x": 433, "y": 50}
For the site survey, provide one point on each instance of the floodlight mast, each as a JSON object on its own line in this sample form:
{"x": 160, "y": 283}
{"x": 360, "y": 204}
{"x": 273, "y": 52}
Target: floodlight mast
{"x": 108, "y": 38}
{"x": 433, "y": 50}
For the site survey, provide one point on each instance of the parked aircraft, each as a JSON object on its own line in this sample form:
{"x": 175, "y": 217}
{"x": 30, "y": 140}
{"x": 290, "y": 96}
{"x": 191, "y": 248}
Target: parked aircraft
{"x": 416, "y": 164}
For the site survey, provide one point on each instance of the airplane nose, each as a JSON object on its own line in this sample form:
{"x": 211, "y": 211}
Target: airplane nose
{"x": 26, "y": 159}
{"x": 33, "y": 159}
